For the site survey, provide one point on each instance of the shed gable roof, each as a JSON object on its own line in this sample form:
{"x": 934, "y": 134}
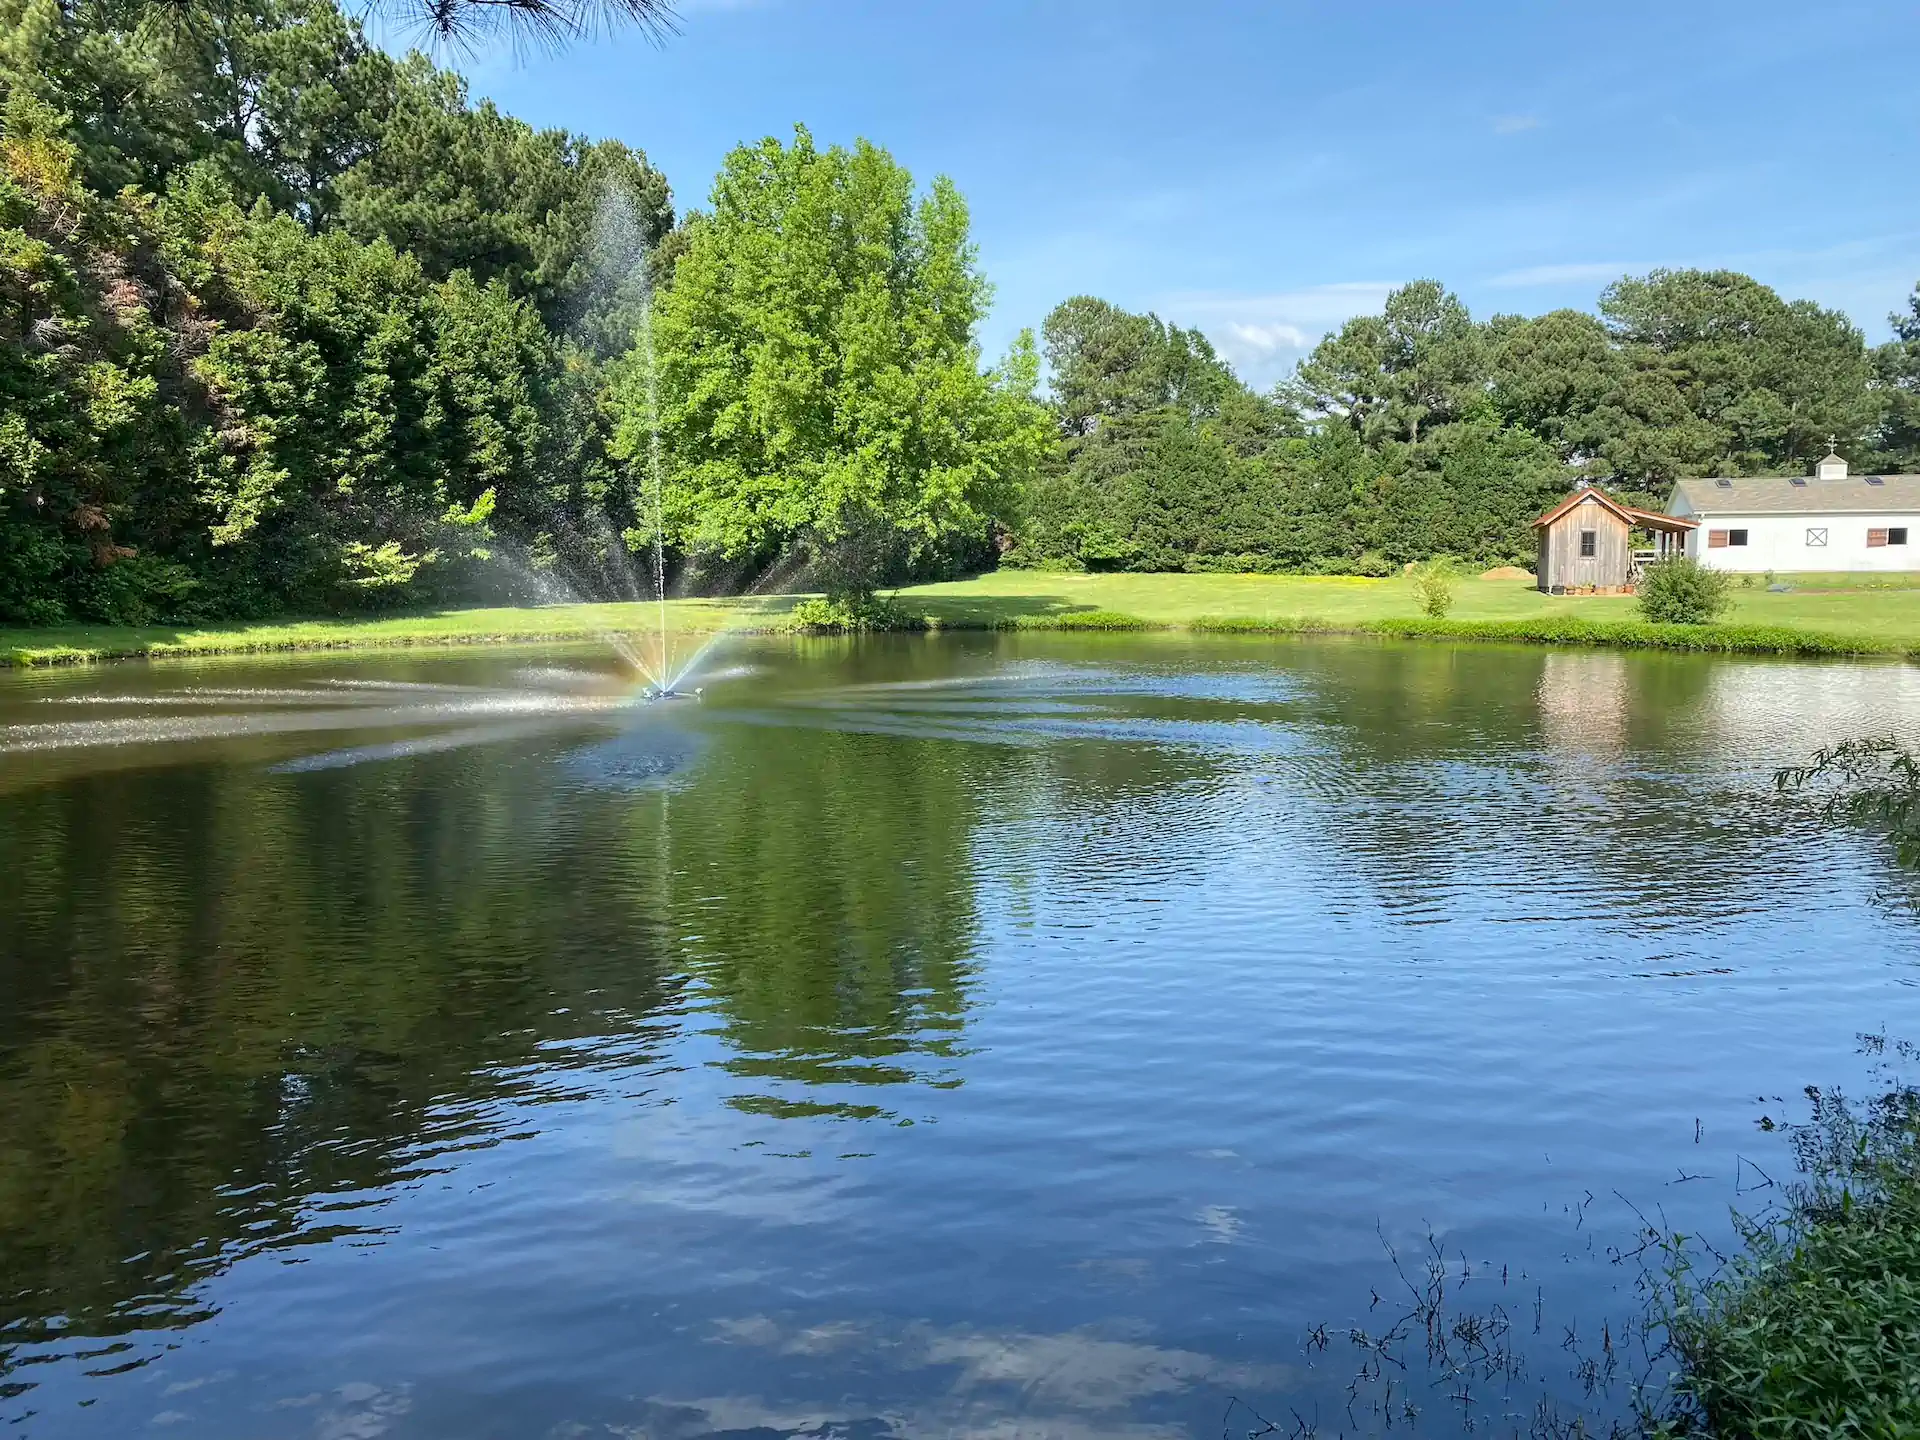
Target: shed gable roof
{"x": 1800, "y": 495}
{"x": 1644, "y": 518}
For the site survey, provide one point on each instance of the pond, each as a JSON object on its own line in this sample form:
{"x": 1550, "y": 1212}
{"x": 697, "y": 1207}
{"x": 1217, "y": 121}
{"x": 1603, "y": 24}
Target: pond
{"x": 1020, "y": 1035}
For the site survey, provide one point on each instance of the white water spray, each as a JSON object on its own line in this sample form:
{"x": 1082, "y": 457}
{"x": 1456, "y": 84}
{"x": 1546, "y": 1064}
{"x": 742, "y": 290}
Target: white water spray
{"x": 664, "y": 680}
{"x": 615, "y": 315}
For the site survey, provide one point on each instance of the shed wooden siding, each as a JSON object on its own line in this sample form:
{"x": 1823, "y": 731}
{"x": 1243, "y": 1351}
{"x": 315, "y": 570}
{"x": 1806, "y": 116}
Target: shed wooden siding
{"x": 1561, "y": 563}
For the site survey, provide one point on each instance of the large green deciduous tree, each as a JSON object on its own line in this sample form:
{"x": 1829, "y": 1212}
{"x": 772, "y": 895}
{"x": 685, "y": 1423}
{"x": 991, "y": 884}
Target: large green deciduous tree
{"x": 818, "y": 377}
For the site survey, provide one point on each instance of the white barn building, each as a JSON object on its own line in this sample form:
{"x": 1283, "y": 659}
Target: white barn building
{"x": 1829, "y": 520}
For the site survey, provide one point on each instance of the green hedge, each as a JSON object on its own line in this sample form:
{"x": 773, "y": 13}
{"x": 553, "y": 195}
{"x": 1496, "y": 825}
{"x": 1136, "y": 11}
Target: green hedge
{"x": 81, "y": 644}
{"x": 1617, "y": 634}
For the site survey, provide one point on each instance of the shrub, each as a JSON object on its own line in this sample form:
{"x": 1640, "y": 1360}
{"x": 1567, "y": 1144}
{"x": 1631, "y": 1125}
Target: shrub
{"x": 142, "y": 590}
{"x": 1806, "y": 1333}
{"x": 1433, "y": 581}
{"x": 1370, "y": 563}
{"x": 1264, "y": 625}
{"x": 1095, "y": 620}
{"x": 852, "y": 615}
{"x": 1682, "y": 591}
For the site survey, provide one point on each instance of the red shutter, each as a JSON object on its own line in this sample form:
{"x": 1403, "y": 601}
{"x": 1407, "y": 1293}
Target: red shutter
{"x": 1717, "y": 539}
{"x": 1876, "y": 538}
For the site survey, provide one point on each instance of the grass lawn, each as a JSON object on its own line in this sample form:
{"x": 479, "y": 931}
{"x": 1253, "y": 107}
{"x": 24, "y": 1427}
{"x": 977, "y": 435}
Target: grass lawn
{"x": 1881, "y": 613}
{"x": 495, "y": 626}
{"x": 1853, "y": 605}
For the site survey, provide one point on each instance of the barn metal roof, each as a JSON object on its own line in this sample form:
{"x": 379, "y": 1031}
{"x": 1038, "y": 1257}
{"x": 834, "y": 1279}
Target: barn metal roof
{"x": 1800, "y": 495}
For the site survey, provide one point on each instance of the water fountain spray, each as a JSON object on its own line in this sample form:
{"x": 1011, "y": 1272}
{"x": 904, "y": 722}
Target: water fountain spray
{"x": 624, "y": 283}
{"x": 663, "y": 681}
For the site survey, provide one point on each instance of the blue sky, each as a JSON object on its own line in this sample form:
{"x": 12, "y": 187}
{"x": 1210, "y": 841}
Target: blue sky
{"x": 1264, "y": 171}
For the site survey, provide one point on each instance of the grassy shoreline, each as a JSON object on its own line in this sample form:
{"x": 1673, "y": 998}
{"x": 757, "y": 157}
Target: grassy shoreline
{"x": 1867, "y": 619}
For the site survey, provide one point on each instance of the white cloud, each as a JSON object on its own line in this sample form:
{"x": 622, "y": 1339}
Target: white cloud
{"x": 1223, "y": 1227}
{"x": 1004, "y": 1384}
{"x": 1262, "y": 341}
{"x": 1515, "y": 124}
{"x": 1562, "y": 274}
{"x": 1262, "y": 335}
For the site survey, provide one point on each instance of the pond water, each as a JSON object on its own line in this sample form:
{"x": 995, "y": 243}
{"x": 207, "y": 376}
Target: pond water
{"x": 961, "y": 1036}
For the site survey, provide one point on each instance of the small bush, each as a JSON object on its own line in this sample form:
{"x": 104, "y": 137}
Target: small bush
{"x": 1371, "y": 564}
{"x": 852, "y": 615}
{"x": 1097, "y": 620}
{"x": 1682, "y": 591}
{"x": 1433, "y": 581}
{"x": 1265, "y": 625}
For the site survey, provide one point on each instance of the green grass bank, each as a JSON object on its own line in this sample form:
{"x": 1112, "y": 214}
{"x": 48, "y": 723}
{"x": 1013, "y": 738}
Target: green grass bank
{"x": 1821, "y": 615}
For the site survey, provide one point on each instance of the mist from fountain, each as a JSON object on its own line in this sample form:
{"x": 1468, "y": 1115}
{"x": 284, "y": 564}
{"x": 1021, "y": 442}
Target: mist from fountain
{"x": 663, "y": 678}
{"x": 622, "y": 283}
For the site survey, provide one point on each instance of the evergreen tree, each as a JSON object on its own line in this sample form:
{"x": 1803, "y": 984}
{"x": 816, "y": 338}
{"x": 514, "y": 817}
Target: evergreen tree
{"x": 559, "y": 219}
{"x": 1897, "y": 377}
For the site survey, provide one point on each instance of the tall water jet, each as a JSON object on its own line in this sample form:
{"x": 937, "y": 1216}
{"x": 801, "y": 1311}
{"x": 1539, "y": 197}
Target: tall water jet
{"x": 615, "y": 318}
{"x": 655, "y": 483}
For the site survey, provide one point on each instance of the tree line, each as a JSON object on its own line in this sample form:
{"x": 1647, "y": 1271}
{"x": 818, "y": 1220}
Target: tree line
{"x": 290, "y": 325}
{"x": 1421, "y": 432}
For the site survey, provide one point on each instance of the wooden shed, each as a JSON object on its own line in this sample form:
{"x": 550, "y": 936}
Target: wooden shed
{"x": 1586, "y": 543}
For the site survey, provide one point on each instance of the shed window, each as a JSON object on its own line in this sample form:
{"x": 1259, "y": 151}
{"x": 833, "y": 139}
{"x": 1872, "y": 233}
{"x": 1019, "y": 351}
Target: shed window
{"x": 1897, "y": 535}
{"x": 1736, "y": 537}
{"x": 1716, "y": 539}
{"x": 1587, "y": 537}
{"x": 1817, "y": 538}
{"x": 1876, "y": 538}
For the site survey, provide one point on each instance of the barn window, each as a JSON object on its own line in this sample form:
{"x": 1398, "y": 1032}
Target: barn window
{"x": 1897, "y": 535}
{"x": 1716, "y": 539}
{"x": 1816, "y": 538}
{"x": 1587, "y": 538}
{"x": 1736, "y": 537}
{"x": 1876, "y": 538}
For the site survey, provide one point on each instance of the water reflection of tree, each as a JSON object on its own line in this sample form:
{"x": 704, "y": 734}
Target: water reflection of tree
{"x": 231, "y": 993}
{"x": 824, "y": 889}
{"x": 234, "y": 994}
